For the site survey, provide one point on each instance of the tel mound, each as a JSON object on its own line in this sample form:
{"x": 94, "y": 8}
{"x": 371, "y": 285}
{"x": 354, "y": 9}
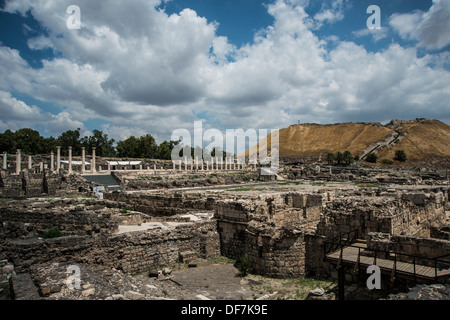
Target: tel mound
{"x": 425, "y": 141}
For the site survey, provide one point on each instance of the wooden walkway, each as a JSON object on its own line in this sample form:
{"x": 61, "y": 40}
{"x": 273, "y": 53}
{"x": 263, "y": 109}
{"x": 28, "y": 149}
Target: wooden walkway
{"x": 350, "y": 258}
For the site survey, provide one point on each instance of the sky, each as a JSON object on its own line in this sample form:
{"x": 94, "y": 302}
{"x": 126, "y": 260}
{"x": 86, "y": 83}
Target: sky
{"x": 153, "y": 66}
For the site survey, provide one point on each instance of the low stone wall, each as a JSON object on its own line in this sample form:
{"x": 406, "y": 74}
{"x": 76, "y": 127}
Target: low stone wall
{"x": 160, "y": 205}
{"x": 130, "y": 252}
{"x": 269, "y": 231}
{"x": 393, "y": 214}
{"x": 27, "y": 252}
{"x": 410, "y": 245}
{"x": 28, "y": 184}
{"x": 139, "y": 251}
{"x": 19, "y": 223}
{"x": 440, "y": 232}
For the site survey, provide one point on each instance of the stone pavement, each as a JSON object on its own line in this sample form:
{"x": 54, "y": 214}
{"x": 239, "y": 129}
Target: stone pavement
{"x": 216, "y": 282}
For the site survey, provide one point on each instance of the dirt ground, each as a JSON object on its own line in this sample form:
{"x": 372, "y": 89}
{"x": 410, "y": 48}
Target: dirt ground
{"x": 220, "y": 279}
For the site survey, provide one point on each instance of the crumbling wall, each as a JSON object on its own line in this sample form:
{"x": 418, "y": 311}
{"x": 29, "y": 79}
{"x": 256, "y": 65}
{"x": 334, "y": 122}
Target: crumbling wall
{"x": 22, "y": 223}
{"x": 131, "y": 252}
{"x": 139, "y": 251}
{"x": 410, "y": 245}
{"x": 28, "y": 184}
{"x": 269, "y": 231}
{"x": 405, "y": 213}
{"x": 160, "y": 205}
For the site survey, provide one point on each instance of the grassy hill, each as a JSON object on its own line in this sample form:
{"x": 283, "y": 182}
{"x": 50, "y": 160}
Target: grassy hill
{"x": 423, "y": 140}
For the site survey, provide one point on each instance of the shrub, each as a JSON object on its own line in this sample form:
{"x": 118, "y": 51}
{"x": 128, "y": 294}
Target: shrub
{"x": 372, "y": 157}
{"x": 400, "y": 155}
{"x": 244, "y": 265}
{"x": 387, "y": 161}
{"x": 51, "y": 233}
{"x": 125, "y": 210}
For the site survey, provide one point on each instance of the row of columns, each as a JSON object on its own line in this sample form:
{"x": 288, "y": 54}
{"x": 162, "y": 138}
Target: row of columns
{"x": 229, "y": 164}
{"x": 52, "y": 160}
{"x": 220, "y": 165}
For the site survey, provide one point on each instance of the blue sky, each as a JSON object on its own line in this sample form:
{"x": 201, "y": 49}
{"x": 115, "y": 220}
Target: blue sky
{"x": 153, "y": 66}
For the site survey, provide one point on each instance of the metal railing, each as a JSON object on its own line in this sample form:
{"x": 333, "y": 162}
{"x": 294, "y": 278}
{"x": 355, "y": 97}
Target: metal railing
{"x": 340, "y": 242}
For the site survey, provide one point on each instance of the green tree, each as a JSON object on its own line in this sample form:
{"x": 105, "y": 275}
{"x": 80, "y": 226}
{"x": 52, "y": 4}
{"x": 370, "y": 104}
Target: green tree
{"x": 49, "y": 144}
{"x": 8, "y": 142}
{"x": 147, "y": 147}
{"x": 339, "y": 157}
{"x": 70, "y": 138}
{"x": 104, "y": 147}
{"x": 29, "y": 141}
{"x": 400, "y": 155}
{"x": 165, "y": 149}
{"x": 348, "y": 158}
{"x": 128, "y": 148}
{"x": 372, "y": 157}
{"x": 330, "y": 158}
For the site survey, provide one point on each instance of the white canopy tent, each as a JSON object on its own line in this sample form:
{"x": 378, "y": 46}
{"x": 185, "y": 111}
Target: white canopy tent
{"x": 76, "y": 163}
{"x": 124, "y": 163}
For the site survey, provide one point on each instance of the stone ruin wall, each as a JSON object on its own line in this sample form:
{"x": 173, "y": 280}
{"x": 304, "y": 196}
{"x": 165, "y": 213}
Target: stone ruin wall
{"x": 28, "y": 184}
{"x": 410, "y": 245}
{"x": 401, "y": 213}
{"x": 398, "y": 216}
{"x": 269, "y": 231}
{"x": 276, "y": 231}
{"x": 130, "y": 252}
{"x": 88, "y": 234}
{"x": 163, "y": 205}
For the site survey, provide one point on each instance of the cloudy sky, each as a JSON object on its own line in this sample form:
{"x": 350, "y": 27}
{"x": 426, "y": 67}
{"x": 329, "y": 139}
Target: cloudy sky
{"x": 153, "y": 66}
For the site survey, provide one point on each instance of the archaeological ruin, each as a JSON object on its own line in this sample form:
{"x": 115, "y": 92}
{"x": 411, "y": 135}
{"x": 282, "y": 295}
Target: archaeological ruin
{"x": 120, "y": 225}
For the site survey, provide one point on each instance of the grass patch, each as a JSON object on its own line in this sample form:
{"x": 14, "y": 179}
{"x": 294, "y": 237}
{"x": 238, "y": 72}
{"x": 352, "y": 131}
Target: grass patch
{"x": 290, "y": 182}
{"x": 3, "y": 200}
{"x": 318, "y": 184}
{"x": 157, "y": 178}
{"x": 221, "y": 260}
{"x": 367, "y": 185}
{"x": 244, "y": 265}
{"x": 125, "y": 210}
{"x": 248, "y": 189}
{"x": 51, "y": 233}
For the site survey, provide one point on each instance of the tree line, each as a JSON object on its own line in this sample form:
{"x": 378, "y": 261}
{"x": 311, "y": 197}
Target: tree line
{"x": 346, "y": 157}
{"x": 32, "y": 143}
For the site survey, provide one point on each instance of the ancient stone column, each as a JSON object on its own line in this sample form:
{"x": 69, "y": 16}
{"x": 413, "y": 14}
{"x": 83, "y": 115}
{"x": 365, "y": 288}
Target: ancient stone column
{"x": 93, "y": 160}
{"x": 196, "y": 163}
{"x": 185, "y": 163}
{"x": 179, "y": 164}
{"x": 30, "y": 164}
{"x": 5, "y": 163}
{"x": 18, "y": 161}
{"x": 52, "y": 160}
{"x": 41, "y": 166}
{"x": 83, "y": 159}
{"x": 58, "y": 158}
{"x": 173, "y": 165}
{"x": 109, "y": 166}
{"x": 70, "y": 160}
